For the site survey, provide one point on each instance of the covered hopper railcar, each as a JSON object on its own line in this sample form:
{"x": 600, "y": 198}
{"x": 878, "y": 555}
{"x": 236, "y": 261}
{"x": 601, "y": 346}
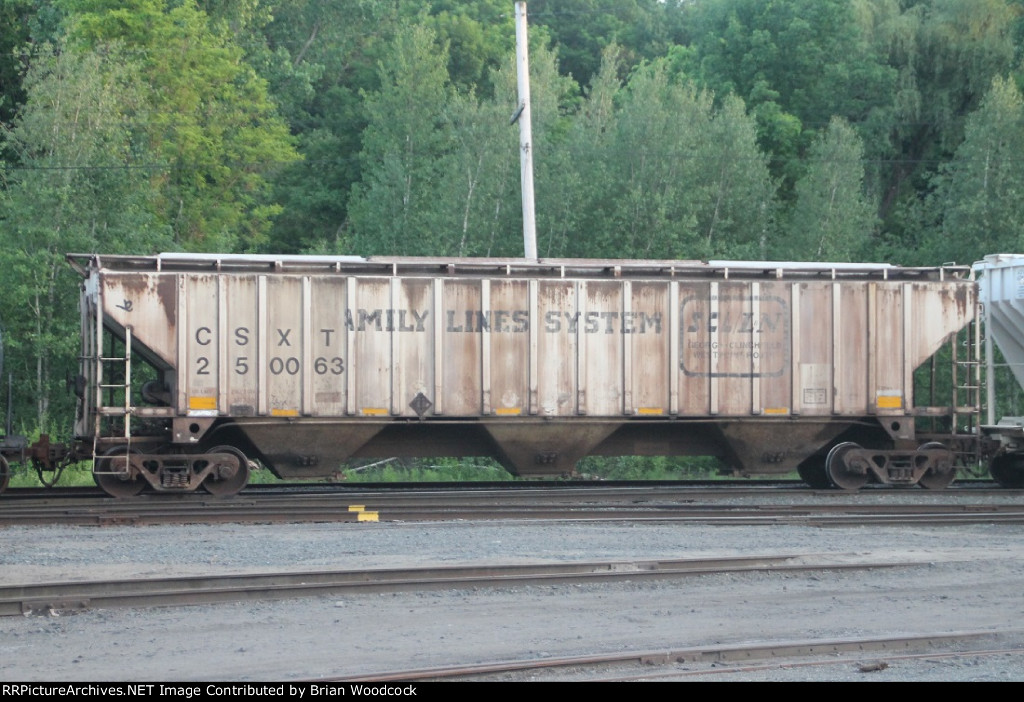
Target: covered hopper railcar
{"x": 1001, "y": 292}
{"x": 193, "y": 365}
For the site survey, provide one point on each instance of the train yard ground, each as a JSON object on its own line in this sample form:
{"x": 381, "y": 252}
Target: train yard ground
{"x": 791, "y": 595}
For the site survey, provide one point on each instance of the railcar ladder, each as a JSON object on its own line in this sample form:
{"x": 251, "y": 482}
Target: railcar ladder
{"x": 966, "y": 389}
{"x": 125, "y": 410}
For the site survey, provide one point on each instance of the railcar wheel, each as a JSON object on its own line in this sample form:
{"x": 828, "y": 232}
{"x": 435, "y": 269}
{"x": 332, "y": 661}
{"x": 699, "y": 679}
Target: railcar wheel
{"x": 5, "y": 474}
{"x": 937, "y": 480}
{"x": 114, "y": 477}
{"x": 1008, "y": 470}
{"x": 845, "y": 474}
{"x": 229, "y": 484}
{"x": 812, "y": 471}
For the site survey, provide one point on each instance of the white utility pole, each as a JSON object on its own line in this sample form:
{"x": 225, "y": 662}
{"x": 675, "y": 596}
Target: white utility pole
{"x": 525, "y": 134}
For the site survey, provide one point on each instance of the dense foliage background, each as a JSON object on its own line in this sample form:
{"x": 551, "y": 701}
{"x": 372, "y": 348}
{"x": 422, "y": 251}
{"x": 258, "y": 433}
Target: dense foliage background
{"x": 793, "y": 129}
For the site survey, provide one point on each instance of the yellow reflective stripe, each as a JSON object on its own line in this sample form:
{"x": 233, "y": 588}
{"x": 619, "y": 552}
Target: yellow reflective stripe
{"x": 202, "y": 403}
{"x": 890, "y": 401}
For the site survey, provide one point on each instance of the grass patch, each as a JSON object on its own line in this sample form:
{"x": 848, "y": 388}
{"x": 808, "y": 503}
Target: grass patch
{"x": 396, "y": 470}
{"x": 447, "y": 470}
{"x": 76, "y": 475}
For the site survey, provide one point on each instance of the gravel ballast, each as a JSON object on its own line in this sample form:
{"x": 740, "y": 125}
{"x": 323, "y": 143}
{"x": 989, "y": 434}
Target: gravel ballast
{"x": 966, "y": 579}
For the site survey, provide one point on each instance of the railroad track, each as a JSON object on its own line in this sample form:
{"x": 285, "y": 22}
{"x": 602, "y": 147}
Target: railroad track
{"x": 866, "y": 654}
{"x": 723, "y": 487}
{"x": 719, "y": 661}
{"x": 933, "y": 588}
{"x": 705, "y": 505}
{"x": 49, "y": 598}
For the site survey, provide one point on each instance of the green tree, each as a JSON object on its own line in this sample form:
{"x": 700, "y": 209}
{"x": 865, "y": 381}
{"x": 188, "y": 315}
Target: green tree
{"x": 81, "y": 183}
{"x": 832, "y": 218}
{"x": 478, "y": 194}
{"x": 319, "y": 56}
{"x": 209, "y": 120}
{"x": 580, "y": 31}
{"x": 322, "y": 56}
{"x": 14, "y": 35}
{"x": 583, "y": 189}
{"x": 811, "y": 57}
{"x": 980, "y": 191}
{"x": 554, "y": 101}
{"x": 945, "y": 54}
{"x": 479, "y": 36}
{"x": 735, "y": 217}
{"x": 391, "y": 210}
{"x": 25, "y": 25}
{"x": 441, "y": 166}
{"x": 666, "y": 174}
{"x": 657, "y": 137}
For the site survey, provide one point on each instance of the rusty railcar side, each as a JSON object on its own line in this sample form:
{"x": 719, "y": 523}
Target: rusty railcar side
{"x": 306, "y": 362}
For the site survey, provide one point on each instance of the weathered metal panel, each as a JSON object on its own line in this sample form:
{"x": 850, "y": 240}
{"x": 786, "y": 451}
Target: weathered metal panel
{"x": 936, "y": 312}
{"x": 330, "y": 325}
{"x": 696, "y": 348}
{"x": 371, "y": 363}
{"x": 414, "y": 348}
{"x": 463, "y": 367}
{"x": 814, "y": 371}
{"x": 771, "y": 347}
{"x": 285, "y": 337}
{"x": 509, "y": 332}
{"x": 202, "y": 340}
{"x": 148, "y": 303}
{"x": 283, "y": 345}
{"x": 647, "y": 334}
{"x": 735, "y": 348}
{"x": 243, "y": 365}
{"x": 887, "y": 347}
{"x": 556, "y": 348}
{"x": 601, "y": 326}
{"x": 734, "y": 369}
{"x": 851, "y": 352}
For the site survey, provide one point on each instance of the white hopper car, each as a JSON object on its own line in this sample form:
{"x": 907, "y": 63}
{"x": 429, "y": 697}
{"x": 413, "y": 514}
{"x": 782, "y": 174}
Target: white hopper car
{"x": 193, "y": 365}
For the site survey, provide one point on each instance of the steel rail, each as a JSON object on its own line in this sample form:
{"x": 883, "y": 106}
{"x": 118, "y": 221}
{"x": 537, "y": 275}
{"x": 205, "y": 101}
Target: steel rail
{"x": 209, "y": 589}
{"x": 833, "y": 660}
{"x": 303, "y": 509}
{"x": 700, "y": 655}
{"x": 728, "y": 488}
